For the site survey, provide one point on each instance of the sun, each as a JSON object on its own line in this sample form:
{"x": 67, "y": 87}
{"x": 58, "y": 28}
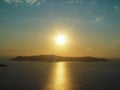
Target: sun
{"x": 61, "y": 39}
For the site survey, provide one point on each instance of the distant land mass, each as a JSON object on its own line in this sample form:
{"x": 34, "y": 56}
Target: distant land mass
{"x": 54, "y": 58}
{"x": 3, "y": 65}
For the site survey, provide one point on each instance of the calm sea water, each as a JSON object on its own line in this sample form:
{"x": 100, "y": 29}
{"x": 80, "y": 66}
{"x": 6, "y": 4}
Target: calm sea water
{"x": 59, "y": 75}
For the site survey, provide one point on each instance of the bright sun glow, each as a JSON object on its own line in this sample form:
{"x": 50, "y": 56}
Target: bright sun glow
{"x": 61, "y": 39}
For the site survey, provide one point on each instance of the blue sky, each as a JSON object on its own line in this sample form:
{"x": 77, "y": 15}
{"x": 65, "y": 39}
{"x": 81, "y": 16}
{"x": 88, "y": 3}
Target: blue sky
{"x": 27, "y": 25}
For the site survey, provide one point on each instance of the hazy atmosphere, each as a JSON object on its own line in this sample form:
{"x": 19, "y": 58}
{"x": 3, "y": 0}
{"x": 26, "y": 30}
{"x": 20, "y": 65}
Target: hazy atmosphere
{"x": 59, "y": 44}
{"x": 30, "y": 27}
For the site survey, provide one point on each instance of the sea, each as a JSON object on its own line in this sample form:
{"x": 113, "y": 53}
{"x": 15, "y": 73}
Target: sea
{"x": 27, "y": 75}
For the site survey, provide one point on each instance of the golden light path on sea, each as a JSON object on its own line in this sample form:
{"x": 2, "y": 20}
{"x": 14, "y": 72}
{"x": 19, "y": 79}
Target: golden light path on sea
{"x": 59, "y": 78}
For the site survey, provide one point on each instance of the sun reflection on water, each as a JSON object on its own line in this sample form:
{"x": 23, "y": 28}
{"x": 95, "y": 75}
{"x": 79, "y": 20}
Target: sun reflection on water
{"x": 59, "y": 76}
{"x": 59, "y": 80}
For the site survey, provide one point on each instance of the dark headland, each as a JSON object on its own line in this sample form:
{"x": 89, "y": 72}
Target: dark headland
{"x": 3, "y": 65}
{"x": 54, "y": 58}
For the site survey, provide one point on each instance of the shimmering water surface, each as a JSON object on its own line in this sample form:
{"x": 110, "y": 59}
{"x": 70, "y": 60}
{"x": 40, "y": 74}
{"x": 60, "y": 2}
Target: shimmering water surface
{"x": 60, "y": 75}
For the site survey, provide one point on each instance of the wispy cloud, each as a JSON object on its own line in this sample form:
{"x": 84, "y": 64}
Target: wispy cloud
{"x": 74, "y": 1}
{"x": 100, "y": 18}
{"x": 116, "y": 8}
{"x": 31, "y": 2}
{"x": 8, "y": 1}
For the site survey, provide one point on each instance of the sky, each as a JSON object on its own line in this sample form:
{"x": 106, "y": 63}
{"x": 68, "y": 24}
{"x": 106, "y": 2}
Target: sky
{"x": 27, "y": 27}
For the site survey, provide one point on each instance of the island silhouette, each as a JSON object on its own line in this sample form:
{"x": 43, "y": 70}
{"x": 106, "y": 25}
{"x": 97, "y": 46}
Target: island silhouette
{"x": 3, "y": 65}
{"x": 55, "y": 58}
